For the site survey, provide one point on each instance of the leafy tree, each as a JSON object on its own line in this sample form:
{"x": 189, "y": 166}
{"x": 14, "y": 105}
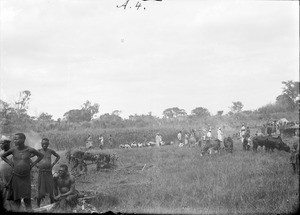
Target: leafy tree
{"x": 174, "y": 112}
{"x": 45, "y": 117}
{"x": 109, "y": 120}
{"x": 220, "y": 113}
{"x": 236, "y": 107}
{"x": 116, "y": 112}
{"x": 285, "y": 102}
{"x": 74, "y": 115}
{"x": 7, "y": 115}
{"x": 200, "y": 112}
{"x": 88, "y": 110}
{"x": 85, "y": 114}
{"x": 21, "y": 105}
{"x": 291, "y": 89}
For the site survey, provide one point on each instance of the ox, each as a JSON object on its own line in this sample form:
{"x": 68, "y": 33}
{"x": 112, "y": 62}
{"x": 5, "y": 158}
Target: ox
{"x": 228, "y": 144}
{"x": 270, "y": 143}
{"x": 211, "y": 145}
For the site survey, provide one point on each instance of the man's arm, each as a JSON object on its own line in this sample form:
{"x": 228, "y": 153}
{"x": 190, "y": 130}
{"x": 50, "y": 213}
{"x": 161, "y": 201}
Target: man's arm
{"x": 55, "y": 186}
{"x": 72, "y": 188}
{"x": 38, "y": 154}
{"x": 56, "y": 159}
{"x": 5, "y": 154}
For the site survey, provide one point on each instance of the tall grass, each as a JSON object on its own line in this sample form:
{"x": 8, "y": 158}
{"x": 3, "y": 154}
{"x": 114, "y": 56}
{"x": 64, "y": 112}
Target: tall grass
{"x": 178, "y": 180}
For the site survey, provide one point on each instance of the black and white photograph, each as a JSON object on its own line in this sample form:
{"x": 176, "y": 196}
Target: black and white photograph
{"x": 149, "y": 106}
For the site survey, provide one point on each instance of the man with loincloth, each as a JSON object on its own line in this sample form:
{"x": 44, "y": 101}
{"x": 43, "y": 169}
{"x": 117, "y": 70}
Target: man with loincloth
{"x": 45, "y": 178}
{"x": 5, "y": 172}
{"x": 64, "y": 190}
{"x": 20, "y": 182}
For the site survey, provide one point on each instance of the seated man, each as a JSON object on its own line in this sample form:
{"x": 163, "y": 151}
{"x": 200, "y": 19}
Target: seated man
{"x": 64, "y": 191}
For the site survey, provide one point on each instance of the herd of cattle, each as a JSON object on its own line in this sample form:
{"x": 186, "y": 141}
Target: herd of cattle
{"x": 269, "y": 143}
{"x": 81, "y": 158}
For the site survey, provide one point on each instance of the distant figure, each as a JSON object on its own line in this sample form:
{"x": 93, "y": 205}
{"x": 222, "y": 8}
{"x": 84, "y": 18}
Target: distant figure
{"x": 6, "y": 171}
{"x": 110, "y": 141}
{"x": 101, "y": 141}
{"x": 157, "y": 139}
{"x": 20, "y": 182}
{"x": 89, "y": 142}
{"x": 208, "y": 135}
{"x": 179, "y": 137}
{"x": 64, "y": 190}
{"x": 144, "y": 140}
{"x": 45, "y": 178}
{"x": 186, "y": 138}
{"x": 220, "y": 135}
{"x": 242, "y": 132}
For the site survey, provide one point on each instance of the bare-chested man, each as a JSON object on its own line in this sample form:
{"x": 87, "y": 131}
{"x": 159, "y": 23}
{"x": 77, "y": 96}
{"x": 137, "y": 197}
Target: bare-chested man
{"x": 64, "y": 189}
{"x": 5, "y": 172}
{"x": 20, "y": 183}
{"x": 45, "y": 178}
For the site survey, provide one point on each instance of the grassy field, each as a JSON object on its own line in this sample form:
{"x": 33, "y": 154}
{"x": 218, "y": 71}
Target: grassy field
{"x": 170, "y": 179}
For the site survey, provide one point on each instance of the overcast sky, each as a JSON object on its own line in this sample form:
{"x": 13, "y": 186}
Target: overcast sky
{"x": 173, "y": 53}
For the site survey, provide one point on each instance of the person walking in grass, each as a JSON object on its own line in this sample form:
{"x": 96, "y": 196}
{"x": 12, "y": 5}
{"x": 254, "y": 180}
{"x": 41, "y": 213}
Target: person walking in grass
{"x": 45, "y": 178}
{"x": 89, "y": 142}
{"x": 110, "y": 141}
{"x": 157, "y": 139}
{"x": 242, "y": 133}
{"x": 220, "y": 135}
{"x": 20, "y": 182}
{"x": 101, "y": 141}
{"x": 186, "y": 138}
{"x": 179, "y": 137}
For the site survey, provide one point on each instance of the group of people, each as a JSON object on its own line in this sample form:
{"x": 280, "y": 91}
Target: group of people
{"x": 90, "y": 142}
{"x": 191, "y": 135}
{"x": 16, "y": 176}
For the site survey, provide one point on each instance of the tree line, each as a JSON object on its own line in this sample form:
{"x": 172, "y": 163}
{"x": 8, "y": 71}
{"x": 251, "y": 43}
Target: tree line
{"x": 14, "y": 117}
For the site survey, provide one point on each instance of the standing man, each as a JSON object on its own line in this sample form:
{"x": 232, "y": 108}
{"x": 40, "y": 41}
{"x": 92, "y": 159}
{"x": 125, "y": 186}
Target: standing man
{"x": 179, "y": 137}
{"x": 208, "y": 135}
{"x": 186, "y": 138}
{"x": 157, "y": 139}
{"x": 64, "y": 190}
{"x": 101, "y": 140}
{"x": 5, "y": 173}
{"x": 20, "y": 182}
{"x": 242, "y": 132}
{"x": 89, "y": 142}
{"x": 220, "y": 135}
{"x": 45, "y": 178}
{"x": 110, "y": 141}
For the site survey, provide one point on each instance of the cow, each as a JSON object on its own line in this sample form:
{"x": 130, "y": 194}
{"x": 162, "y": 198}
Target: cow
{"x": 270, "y": 143}
{"x": 246, "y": 144}
{"x": 133, "y": 145}
{"x": 127, "y": 146}
{"x": 228, "y": 144}
{"x": 76, "y": 158}
{"x": 211, "y": 145}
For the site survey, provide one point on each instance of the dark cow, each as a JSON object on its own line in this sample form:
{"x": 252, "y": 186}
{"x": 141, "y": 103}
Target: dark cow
{"x": 76, "y": 158}
{"x": 228, "y": 144}
{"x": 270, "y": 143}
{"x": 246, "y": 145}
{"x": 210, "y": 145}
